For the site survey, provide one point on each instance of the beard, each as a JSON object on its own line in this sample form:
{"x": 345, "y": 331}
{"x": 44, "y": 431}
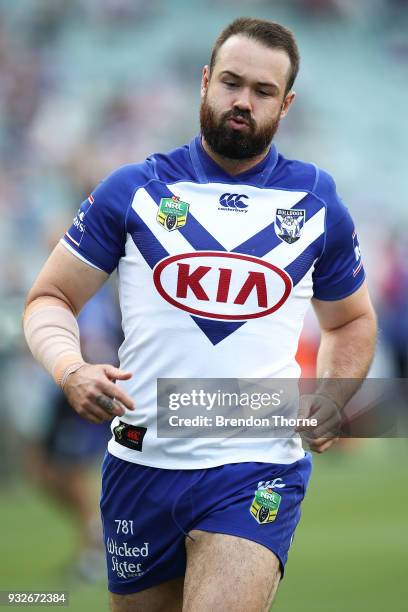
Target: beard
{"x": 235, "y": 144}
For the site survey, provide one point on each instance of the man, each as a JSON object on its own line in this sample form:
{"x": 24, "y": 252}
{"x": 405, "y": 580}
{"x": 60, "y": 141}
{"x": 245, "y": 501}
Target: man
{"x": 211, "y": 285}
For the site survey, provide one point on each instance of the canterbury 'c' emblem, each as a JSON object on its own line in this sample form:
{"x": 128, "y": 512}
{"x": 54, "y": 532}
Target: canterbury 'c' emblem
{"x": 233, "y": 200}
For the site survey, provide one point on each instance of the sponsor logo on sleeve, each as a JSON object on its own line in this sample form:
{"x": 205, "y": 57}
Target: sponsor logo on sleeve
{"x": 357, "y": 254}
{"x": 77, "y": 229}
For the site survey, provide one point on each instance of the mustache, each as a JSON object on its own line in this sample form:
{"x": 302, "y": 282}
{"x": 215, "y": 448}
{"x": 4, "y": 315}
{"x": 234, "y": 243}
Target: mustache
{"x": 236, "y": 113}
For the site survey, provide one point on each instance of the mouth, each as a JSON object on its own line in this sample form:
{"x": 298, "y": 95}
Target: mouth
{"x": 238, "y": 122}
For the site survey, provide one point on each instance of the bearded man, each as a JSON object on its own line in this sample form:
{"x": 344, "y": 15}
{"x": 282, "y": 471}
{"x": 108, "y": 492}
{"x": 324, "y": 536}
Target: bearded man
{"x": 211, "y": 287}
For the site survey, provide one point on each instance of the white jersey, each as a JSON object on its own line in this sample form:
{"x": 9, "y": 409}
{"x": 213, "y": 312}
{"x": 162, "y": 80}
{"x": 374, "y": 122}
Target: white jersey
{"x": 215, "y": 276}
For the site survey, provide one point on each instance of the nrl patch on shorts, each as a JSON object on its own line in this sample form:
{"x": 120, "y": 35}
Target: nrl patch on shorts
{"x": 289, "y": 224}
{"x": 172, "y": 213}
{"x": 265, "y": 505}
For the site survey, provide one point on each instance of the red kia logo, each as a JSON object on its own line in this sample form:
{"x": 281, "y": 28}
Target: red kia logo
{"x": 224, "y": 286}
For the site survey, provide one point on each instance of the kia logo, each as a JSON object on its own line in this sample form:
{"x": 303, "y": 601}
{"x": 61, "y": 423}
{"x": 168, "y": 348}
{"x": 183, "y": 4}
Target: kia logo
{"x": 224, "y": 286}
{"x": 233, "y": 200}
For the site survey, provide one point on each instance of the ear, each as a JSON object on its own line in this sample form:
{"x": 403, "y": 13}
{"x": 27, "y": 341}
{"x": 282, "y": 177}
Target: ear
{"x": 204, "y": 81}
{"x": 287, "y": 103}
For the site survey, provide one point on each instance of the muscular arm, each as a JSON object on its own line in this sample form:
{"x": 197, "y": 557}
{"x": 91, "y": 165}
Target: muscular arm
{"x": 62, "y": 288}
{"x": 348, "y": 337}
{"x": 67, "y": 280}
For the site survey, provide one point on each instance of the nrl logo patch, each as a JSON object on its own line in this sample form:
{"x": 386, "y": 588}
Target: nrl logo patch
{"x": 265, "y": 505}
{"x": 172, "y": 213}
{"x": 289, "y": 224}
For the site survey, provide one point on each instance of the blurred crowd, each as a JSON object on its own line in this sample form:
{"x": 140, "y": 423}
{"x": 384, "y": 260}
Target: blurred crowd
{"x": 86, "y": 86}
{"x": 89, "y": 85}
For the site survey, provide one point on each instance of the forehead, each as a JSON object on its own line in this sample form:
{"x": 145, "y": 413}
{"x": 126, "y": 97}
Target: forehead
{"x": 253, "y": 60}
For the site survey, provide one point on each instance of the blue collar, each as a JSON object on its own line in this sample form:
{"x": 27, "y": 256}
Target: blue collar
{"x": 208, "y": 171}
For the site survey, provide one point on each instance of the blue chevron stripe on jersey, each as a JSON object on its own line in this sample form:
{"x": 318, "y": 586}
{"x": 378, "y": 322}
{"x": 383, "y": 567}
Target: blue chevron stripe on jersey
{"x": 264, "y": 241}
{"x": 216, "y": 331}
{"x": 145, "y": 240}
{"x": 296, "y": 269}
{"x": 193, "y": 231}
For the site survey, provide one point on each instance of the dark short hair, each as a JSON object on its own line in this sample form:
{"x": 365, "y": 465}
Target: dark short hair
{"x": 269, "y": 33}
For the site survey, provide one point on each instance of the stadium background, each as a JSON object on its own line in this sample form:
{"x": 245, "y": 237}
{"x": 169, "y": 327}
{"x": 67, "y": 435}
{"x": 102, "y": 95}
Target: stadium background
{"x": 87, "y": 85}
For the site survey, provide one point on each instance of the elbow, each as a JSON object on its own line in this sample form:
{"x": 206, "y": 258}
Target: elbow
{"x": 371, "y": 320}
{"x": 39, "y": 298}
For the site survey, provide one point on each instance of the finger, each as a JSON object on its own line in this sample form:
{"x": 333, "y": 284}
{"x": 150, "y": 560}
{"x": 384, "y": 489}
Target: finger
{"x": 306, "y": 425}
{"x": 322, "y": 444}
{"x": 111, "y": 390}
{"x": 115, "y": 373}
{"x": 321, "y": 433}
{"x": 329, "y": 429}
{"x": 324, "y": 415}
{"x": 109, "y": 405}
{"x": 309, "y": 405}
{"x": 94, "y": 414}
{"x": 320, "y": 449}
{"x": 96, "y": 419}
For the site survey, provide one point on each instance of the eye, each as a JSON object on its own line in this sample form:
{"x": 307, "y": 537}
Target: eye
{"x": 265, "y": 94}
{"x": 230, "y": 84}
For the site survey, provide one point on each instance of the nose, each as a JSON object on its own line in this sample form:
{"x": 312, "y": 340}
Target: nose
{"x": 243, "y": 100}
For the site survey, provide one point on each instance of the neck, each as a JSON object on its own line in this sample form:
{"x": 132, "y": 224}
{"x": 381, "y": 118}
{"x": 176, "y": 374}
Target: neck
{"x": 234, "y": 166}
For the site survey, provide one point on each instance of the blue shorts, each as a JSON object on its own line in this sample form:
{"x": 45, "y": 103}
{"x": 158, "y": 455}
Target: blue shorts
{"x": 147, "y": 513}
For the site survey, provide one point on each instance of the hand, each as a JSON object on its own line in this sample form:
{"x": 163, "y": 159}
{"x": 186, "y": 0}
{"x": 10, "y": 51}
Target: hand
{"x": 92, "y": 393}
{"x": 328, "y": 416}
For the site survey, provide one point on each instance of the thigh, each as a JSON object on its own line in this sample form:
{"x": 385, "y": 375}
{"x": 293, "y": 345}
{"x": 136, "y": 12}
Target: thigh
{"x": 253, "y": 501}
{"x": 141, "y": 525}
{"x": 166, "y": 597}
{"x": 229, "y": 573}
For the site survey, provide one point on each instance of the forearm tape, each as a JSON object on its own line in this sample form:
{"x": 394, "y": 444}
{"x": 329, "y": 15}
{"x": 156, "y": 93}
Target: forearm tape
{"x": 52, "y": 333}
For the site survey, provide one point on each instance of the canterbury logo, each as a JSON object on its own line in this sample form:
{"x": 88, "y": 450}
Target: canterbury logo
{"x": 233, "y": 200}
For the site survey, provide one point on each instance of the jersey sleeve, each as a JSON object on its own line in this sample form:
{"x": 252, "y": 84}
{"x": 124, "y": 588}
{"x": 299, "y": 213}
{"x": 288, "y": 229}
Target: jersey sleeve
{"x": 98, "y": 232}
{"x": 339, "y": 270}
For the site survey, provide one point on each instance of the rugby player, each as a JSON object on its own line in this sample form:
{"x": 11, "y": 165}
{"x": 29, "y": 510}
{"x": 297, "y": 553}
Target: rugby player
{"x": 219, "y": 245}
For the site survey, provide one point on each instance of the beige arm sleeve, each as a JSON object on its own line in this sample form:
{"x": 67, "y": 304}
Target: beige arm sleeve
{"x": 52, "y": 333}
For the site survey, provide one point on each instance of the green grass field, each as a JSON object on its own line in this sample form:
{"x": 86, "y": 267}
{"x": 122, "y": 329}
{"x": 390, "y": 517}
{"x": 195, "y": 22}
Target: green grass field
{"x": 350, "y": 551}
